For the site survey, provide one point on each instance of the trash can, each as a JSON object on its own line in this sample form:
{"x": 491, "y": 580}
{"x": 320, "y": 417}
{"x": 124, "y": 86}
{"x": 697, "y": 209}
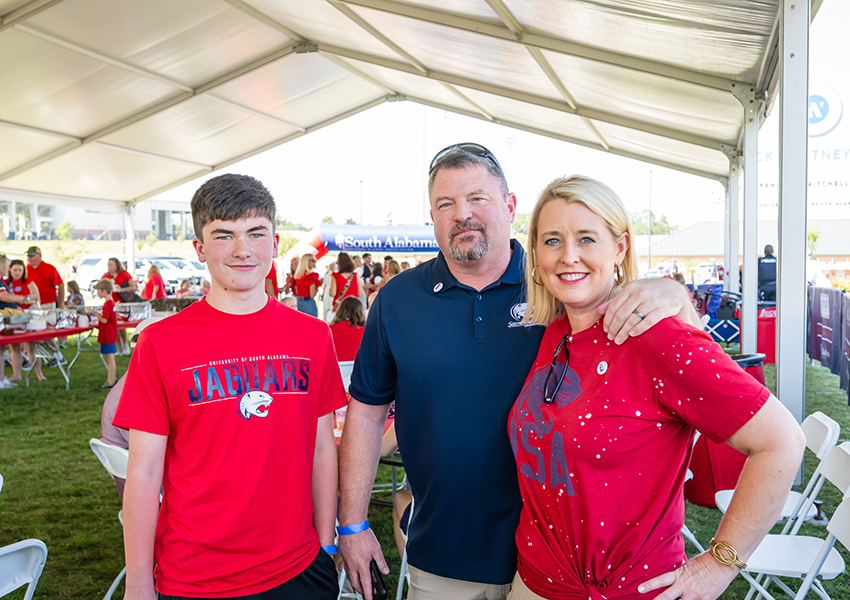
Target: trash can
{"x": 717, "y": 466}
{"x": 767, "y": 333}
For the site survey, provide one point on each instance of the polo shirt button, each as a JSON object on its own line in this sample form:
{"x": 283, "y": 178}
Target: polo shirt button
{"x": 478, "y": 319}
{"x": 479, "y": 296}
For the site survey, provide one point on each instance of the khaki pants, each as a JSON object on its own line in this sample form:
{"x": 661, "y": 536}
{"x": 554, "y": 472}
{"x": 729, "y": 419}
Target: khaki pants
{"x": 426, "y": 586}
{"x": 520, "y": 591}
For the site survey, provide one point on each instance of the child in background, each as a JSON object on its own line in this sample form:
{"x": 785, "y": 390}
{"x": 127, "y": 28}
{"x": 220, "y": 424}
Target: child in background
{"x": 75, "y": 298}
{"x": 107, "y": 330}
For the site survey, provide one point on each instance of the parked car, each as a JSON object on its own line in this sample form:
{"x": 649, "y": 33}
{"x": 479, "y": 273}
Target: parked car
{"x": 706, "y": 273}
{"x": 173, "y": 269}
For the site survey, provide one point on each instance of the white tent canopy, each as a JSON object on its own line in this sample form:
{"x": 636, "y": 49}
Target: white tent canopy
{"x": 119, "y": 100}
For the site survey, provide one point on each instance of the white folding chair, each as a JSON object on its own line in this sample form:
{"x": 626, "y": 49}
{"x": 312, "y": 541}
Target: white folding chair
{"x": 806, "y": 557}
{"x": 21, "y": 564}
{"x": 114, "y": 459}
{"x": 1, "y": 483}
{"x": 821, "y": 436}
{"x": 686, "y": 531}
{"x": 404, "y": 572}
{"x": 345, "y": 369}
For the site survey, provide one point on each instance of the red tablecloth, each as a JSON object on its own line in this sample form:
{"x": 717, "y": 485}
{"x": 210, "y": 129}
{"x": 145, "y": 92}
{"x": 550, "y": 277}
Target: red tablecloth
{"x": 40, "y": 336}
{"x": 50, "y": 333}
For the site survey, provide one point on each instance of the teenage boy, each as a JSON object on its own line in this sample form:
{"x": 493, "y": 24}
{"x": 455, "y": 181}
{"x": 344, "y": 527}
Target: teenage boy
{"x": 229, "y": 405}
{"x": 107, "y": 330}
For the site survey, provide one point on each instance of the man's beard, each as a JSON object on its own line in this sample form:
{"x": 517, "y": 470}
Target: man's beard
{"x": 475, "y": 252}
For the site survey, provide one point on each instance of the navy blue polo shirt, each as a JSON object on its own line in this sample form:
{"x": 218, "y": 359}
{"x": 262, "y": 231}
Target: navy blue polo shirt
{"x": 454, "y": 360}
{"x": 4, "y": 287}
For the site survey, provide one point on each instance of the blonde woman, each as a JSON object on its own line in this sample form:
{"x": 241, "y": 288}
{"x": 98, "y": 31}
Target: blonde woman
{"x": 305, "y": 285}
{"x": 154, "y": 286}
{"x": 602, "y": 432}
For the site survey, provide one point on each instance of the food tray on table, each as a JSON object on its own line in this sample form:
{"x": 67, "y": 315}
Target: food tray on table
{"x": 14, "y": 320}
{"x": 134, "y": 311}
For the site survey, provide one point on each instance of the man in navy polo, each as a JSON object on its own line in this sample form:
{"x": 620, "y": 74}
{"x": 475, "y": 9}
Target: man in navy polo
{"x": 446, "y": 342}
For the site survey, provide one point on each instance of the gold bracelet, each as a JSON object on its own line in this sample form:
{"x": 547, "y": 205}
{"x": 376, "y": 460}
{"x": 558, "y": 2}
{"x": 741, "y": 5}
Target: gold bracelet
{"x": 729, "y": 558}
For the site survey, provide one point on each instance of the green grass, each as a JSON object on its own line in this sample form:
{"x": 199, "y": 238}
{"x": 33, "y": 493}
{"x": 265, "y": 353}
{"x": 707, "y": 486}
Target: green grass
{"x": 55, "y": 490}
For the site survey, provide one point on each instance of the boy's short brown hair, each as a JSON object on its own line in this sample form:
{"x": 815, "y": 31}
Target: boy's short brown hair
{"x": 104, "y": 284}
{"x": 231, "y": 197}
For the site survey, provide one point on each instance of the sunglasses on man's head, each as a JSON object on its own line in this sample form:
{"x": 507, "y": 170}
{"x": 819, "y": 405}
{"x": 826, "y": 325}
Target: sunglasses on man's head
{"x": 472, "y": 148}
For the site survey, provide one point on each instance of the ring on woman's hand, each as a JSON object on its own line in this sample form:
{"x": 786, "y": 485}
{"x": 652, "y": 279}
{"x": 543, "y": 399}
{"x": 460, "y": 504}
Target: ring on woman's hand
{"x": 639, "y": 314}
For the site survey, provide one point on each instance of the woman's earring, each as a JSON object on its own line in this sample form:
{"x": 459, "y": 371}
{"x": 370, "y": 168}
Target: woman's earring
{"x": 540, "y": 283}
{"x": 618, "y": 274}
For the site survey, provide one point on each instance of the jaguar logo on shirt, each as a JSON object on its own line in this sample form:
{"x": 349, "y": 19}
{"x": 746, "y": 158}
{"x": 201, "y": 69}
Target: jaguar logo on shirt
{"x": 254, "y": 404}
{"x": 517, "y": 313}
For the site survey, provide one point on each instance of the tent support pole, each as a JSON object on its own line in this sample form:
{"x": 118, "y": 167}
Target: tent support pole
{"x": 129, "y": 239}
{"x": 793, "y": 153}
{"x": 749, "y": 319}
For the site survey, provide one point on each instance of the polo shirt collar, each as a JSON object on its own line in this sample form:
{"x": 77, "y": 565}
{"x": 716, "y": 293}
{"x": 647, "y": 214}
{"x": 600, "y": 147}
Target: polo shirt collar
{"x": 442, "y": 278}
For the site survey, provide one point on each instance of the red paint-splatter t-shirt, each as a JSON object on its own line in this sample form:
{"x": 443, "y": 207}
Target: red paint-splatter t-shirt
{"x": 601, "y": 469}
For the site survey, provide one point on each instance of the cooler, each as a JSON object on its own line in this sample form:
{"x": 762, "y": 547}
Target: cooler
{"x": 717, "y": 466}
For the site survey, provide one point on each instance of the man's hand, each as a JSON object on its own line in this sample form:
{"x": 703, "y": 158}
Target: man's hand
{"x": 655, "y": 299}
{"x": 358, "y": 550}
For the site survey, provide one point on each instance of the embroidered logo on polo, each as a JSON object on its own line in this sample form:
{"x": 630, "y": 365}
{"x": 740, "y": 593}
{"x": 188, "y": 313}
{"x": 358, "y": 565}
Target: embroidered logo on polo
{"x": 532, "y": 424}
{"x": 517, "y": 313}
{"x": 249, "y": 381}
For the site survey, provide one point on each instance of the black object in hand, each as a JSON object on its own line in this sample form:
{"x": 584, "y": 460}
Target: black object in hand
{"x": 379, "y": 588}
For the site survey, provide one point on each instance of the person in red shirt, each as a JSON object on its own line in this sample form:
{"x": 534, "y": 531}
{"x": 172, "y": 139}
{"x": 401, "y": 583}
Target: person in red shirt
{"x": 17, "y": 284}
{"x": 347, "y": 328}
{"x": 602, "y": 433}
{"x": 306, "y": 284}
{"x": 51, "y": 289}
{"x": 272, "y": 288}
{"x": 154, "y": 286}
{"x": 124, "y": 283}
{"x": 107, "y": 329}
{"x": 344, "y": 281}
{"x": 236, "y": 427}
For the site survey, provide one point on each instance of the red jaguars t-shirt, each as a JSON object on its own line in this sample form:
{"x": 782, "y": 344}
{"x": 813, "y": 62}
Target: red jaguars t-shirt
{"x": 602, "y": 468}
{"x": 240, "y": 406}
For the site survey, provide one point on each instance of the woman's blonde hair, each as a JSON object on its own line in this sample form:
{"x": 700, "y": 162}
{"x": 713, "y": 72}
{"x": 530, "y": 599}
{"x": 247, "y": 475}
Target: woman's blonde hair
{"x": 154, "y": 270}
{"x": 303, "y": 265}
{"x": 543, "y": 307}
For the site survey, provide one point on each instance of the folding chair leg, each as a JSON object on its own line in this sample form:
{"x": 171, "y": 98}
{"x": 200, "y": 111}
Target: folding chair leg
{"x": 115, "y": 584}
{"x": 403, "y": 574}
{"x": 344, "y": 594}
{"x": 691, "y": 538}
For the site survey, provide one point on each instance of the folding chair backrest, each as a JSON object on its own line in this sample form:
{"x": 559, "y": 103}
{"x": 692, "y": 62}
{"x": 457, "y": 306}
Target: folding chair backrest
{"x": 821, "y": 434}
{"x": 839, "y": 525}
{"x": 21, "y": 564}
{"x": 836, "y": 467}
{"x": 345, "y": 369}
{"x": 113, "y": 458}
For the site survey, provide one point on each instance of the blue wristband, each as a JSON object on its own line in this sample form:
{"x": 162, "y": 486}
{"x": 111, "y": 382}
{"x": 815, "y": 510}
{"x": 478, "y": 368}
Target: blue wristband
{"x": 356, "y": 528}
{"x": 331, "y": 550}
